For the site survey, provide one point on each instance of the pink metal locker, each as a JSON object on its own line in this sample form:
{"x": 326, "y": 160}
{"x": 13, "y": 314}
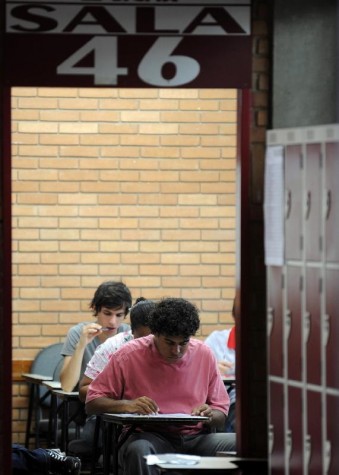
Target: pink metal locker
{"x": 314, "y": 433}
{"x": 277, "y": 429}
{"x": 312, "y": 197}
{"x": 293, "y": 199}
{"x": 294, "y": 319}
{"x": 332, "y": 440}
{"x": 275, "y": 321}
{"x": 332, "y": 201}
{"x": 295, "y": 425}
{"x": 313, "y": 325}
{"x": 331, "y": 328}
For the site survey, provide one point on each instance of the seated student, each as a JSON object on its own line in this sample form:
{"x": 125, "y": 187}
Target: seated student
{"x": 139, "y": 316}
{"x": 222, "y": 343}
{"x": 43, "y": 462}
{"x": 166, "y": 372}
{"x": 110, "y": 305}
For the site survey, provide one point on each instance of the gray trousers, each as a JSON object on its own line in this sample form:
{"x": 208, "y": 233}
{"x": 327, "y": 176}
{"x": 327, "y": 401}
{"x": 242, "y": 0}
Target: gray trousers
{"x": 131, "y": 454}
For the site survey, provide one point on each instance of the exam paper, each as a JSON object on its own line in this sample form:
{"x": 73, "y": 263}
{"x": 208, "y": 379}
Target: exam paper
{"x": 161, "y": 416}
{"x": 175, "y": 459}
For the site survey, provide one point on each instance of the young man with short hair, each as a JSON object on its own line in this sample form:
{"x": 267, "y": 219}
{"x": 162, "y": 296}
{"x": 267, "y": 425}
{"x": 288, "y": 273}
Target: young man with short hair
{"x": 166, "y": 372}
{"x": 110, "y": 305}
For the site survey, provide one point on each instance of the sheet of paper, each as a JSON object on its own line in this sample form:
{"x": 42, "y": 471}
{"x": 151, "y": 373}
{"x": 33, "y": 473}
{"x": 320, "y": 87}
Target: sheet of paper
{"x": 175, "y": 459}
{"x": 274, "y": 206}
{"x": 161, "y": 416}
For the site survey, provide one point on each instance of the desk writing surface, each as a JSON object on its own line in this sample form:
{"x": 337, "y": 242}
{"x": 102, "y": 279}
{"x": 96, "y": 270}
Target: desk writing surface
{"x": 36, "y": 378}
{"x": 66, "y": 394}
{"x": 126, "y": 418}
{"x": 201, "y": 463}
{"x": 117, "y": 421}
{"x": 52, "y": 384}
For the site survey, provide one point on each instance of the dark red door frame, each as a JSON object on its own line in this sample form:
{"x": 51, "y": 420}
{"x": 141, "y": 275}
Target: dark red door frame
{"x": 242, "y": 266}
{"x": 6, "y": 284}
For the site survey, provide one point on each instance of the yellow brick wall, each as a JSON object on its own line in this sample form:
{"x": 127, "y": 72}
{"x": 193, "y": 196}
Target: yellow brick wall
{"x": 131, "y": 184}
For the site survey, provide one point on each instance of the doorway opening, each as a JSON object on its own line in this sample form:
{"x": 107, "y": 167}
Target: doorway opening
{"x": 131, "y": 184}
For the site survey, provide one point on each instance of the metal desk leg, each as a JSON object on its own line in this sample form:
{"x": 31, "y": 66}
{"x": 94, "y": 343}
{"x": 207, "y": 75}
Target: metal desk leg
{"x": 95, "y": 447}
{"x": 30, "y": 413}
{"x": 36, "y": 415}
{"x": 115, "y": 448}
{"x": 107, "y": 444}
{"x": 61, "y": 411}
{"x": 67, "y": 421}
{"x": 53, "y": 423}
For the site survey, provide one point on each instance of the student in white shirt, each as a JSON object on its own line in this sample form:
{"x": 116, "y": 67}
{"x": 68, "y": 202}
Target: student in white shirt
{"x": 222, "y": 343}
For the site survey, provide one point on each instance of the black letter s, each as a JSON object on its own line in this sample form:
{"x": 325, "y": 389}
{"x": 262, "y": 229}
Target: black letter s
{"x": 22, "y": 12}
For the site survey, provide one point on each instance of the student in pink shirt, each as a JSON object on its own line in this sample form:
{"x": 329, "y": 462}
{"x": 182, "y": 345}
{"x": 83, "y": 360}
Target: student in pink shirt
{"x": 166, "y": 372}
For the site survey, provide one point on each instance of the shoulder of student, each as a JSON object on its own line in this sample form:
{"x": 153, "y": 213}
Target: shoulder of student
{"x": 115, "y": 342}
{"x": 199, "y": 345}
{"x": 217, "y": 335}
{"x": 72, "y": 338}
{"x": 133, "y": 345}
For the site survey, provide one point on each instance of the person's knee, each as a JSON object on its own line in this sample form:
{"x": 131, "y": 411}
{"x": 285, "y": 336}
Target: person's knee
{"x": 229, "y": 442}
{"x": 223, "y": 442}
{"x": 131, "y": 455}
{"x": 138, "y": 447}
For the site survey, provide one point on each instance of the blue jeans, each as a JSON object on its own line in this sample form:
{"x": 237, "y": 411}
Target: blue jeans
{"x": 29, "y": 461}
{"x": 131, "y": 454}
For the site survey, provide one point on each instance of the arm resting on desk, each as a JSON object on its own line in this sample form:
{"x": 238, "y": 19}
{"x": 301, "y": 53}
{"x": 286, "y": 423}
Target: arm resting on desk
{"x": 141, "y": 405}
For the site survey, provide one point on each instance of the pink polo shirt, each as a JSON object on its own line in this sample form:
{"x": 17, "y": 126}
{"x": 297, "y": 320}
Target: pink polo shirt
{"x": 137, "y": 369}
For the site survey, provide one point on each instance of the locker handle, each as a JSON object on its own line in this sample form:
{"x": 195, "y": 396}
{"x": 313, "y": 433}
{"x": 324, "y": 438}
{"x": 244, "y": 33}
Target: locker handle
{"x": 270, "y": 438}
{"x": 328, "y": 453}
{"x": 308, "y": 449}
{"x": 289, "y": 443}
{"x": 270, "y": 318}
{"x": 288, "y": 323}
{"x": 308, "y": 204}
{"x": 288, "y": 205}
{"x": 326, "y": 331}
{"x": 307, "y": 326}
{"x": 328, "y": 204}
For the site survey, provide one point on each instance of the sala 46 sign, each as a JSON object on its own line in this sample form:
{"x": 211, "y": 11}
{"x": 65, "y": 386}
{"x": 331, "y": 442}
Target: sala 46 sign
{"x": 126, "y": 43}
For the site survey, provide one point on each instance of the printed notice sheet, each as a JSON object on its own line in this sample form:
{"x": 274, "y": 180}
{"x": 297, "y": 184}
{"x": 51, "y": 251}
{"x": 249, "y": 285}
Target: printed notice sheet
{"x": 274, "y": 206}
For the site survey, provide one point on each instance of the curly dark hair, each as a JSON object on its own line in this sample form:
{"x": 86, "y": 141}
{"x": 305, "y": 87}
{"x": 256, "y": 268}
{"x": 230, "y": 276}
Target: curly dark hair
{"x": 174, "y": 317}
{"x": 111, "y": 294}
{"x": 140, "y": 312}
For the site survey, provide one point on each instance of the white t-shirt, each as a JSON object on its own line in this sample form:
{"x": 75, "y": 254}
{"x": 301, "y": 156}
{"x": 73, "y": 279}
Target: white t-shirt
{"x": 217, "y": 341}
{"x": 104, "y": 351}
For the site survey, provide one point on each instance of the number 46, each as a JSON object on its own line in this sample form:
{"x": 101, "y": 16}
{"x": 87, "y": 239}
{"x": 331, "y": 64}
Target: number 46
{"x": 106, "y": 70}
